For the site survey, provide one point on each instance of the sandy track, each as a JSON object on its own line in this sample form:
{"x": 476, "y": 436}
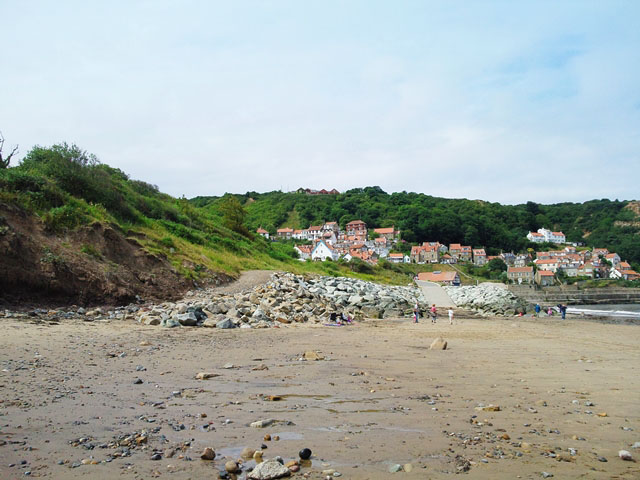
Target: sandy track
{"x": 378, "y": 398}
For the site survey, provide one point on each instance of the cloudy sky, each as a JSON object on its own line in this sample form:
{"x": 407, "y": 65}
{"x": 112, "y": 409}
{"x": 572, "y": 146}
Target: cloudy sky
{"x": 496, "y": 100}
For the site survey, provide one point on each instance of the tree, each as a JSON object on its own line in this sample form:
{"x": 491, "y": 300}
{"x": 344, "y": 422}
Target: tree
{"x": 233, "y": 215}
{"x": 4, "y": 162}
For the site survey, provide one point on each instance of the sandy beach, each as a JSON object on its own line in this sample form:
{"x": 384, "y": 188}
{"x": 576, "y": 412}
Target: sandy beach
{"x": 509, "y": 398}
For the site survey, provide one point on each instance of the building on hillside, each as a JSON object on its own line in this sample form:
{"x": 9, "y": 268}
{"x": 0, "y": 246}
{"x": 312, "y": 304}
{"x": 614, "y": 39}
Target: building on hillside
{"x": 479, "y": 257}
{"x": 624, "y": 274}
{"x": 544, "y": 278}
{"x": 263, "y": 233}
{"x": 322, "y": 252}
{"x": 544, "y": 235}
{"x": 446, "y": 278}
{"x": 509, "y": 258}
{"x": 520, "y": 274}
{"x": 454, "y": 250}
{"x": 390, "y": 233}
{"x": 448, "y": 259}
{"x": 586, "y": 270}
{"x": 331, "y": 227}
{"x": 395, "y": 258}
{"x": 550, "y": 265}
{"x": 314, "y": 232}
{"x": 614, "y": 258}
{"x": 304, "y": 251}
{"x": 356, "y": 228}
{"x": 285, "y": 233}
{"x": 425, "y": 253}
{"x": 522, "y": 260}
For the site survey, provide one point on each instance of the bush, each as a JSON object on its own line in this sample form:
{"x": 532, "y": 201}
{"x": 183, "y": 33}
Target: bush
{"x": 67, "y": 217}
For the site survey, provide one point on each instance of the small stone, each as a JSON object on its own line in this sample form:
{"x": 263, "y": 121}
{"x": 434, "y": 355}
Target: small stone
{"x": 407, "y": 467}
{"x": 305, "y": 454}
{"x": 636, "y": 445}
{"x": 156, "y": 456}
{"x": 311, "y": 355}
{"x": 489, "y": 408}
{"x": 505, "y": 436}
{"x": 294, "y": 468}
{"x": 602, "y": 459}
{"x": 547, "y": 475}
{"x": 625, "y": 455}
{"x": 267, "y": 438}
{"x": 262, "y": 423}
{"x": 247, "y": 452}
{"x": 231, "y": 466}
{"x": 208, "y": 454}
{"x": 602, "y": 414}
{"x": 257, "y": 456}
{"x": 269, "y": 470}
{"x": 438, "y": 344}
{"x": 206, "y": 375}
{"x": 395, "y": 468}
{"x": 276, "y": 438}
{"x": 138, "y": 381}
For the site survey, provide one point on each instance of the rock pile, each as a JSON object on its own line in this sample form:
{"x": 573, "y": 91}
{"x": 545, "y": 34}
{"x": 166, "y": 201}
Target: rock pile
{"x": 286, "y": 298}
{"x": 488, "y": 299}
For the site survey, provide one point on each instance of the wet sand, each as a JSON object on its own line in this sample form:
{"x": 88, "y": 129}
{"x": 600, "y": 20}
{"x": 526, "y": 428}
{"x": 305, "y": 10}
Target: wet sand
{"x": 379, "y": 397}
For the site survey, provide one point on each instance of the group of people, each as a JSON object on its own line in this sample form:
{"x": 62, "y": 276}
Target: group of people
{"x": 561, "y": 307}
{"x": 433, "y": 311}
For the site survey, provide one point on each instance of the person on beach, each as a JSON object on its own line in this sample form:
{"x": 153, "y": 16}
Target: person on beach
{"x": 450, "y": 312}
{"x": 549, "y": 312}
{"x": 563, "y": 311}
{"x": 416, "y": 312}
{"x": 537, "y": 309}
{"x": 434, "y": 313}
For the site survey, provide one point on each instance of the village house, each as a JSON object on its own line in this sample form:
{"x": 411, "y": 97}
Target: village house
{"x": 479, "y": 257}
{"x": 448, "y": 259}
{"x": 426, "y": 253}
{"x": 586, "y": 270}
{"x": 522, "y": 260}
{"x": 396, "y": 258}
{"x": 314, "y": 233}
{"x": 544, "y": 278}
{"x": 509, "y": 258}
{"x": 322, "y": 252}
{"x": 614, "y": 258}
{"x": 520, "y": 274}
{"x": 446, "y": 278}
{"x": 624, "y": 274}
{"x": 389, "y": 233}
{"x": 304, "y": 251}
{"x": 550, "y": 265}
{"x": 263, "y": 233}
{"x": 356, "y": 228}
{"x": 331, "y": 227}
{"x": 285, "y": 233}
{"x": 465, "y": 253}
{"x": 544, "y": 235}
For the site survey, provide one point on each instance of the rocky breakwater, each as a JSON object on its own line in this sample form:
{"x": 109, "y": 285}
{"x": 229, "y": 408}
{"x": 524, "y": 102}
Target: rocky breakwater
{"x": 285, "y": 299}
{"x": 488, "y": 299}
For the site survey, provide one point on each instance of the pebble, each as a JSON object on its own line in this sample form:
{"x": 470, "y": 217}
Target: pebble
{"x": 138, "y": 381}
{"x": 156, "y": 456}
{"x": 305, "y": 454}
{"x": 636, "y": 445}
{"x": 231, "y": 466}
{"x": 208, "y": 454}
{"x": 602, "y": 459}
{"x": 395, "y": 468}
{"x": 547, "y": 475}
{"x": 625, "y": 455}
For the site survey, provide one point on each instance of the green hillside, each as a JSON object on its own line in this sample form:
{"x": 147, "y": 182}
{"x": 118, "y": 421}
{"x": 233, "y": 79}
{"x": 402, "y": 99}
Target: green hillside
{"x": 602, "y": 223}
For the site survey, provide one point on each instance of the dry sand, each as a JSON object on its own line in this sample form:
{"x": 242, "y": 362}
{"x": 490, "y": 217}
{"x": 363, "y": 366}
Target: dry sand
{"x": 379, "y": 397}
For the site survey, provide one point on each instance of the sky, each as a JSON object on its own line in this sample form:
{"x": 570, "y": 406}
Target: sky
{"x": 495, "y": 100}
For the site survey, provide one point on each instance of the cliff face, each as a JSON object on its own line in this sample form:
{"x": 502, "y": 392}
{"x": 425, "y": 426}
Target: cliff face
{"x": 96, "y": 264}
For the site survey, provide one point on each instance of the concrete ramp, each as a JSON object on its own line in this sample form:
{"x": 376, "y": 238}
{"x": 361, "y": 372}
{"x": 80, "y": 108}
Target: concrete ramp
{"x": 434, "y": 293}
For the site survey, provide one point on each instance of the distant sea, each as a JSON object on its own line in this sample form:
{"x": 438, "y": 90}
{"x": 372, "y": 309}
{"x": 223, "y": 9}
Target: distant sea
{"x": 629, "y": 311}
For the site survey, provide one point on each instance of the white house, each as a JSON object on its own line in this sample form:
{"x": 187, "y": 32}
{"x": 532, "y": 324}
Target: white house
{"x": 304, "y": 251}
{"x": 261, "y": 231}
{"x": 395, "y": 258}
{"x": 322, "y": 251}
{"x": 544, "y": 235}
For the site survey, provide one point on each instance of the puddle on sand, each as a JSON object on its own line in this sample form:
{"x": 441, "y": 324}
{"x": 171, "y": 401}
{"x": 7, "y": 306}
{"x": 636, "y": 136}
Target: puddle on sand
{"x": 300, "y": 395}
{"x": 289, "y": 435}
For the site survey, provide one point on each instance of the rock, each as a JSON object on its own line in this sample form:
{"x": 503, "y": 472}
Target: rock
{"x": 407, "y": 467}
{"x": 311, "y": 355}
{"x": 226, "y": 323}
{"x": 438, "y": 344}
{"x": 247, "y": 452}
{"x": 625, "y": 455}
{"x": 156, "y": 456}
{"x": 547, "y": 475}
{"x": 304, "y": 454}
{"x": 269, "y": 470}
{"x": 170, "y": 323}
{"x": 257, "y": 456}
{"x": 210, "y": 323}
{"x": 138, "y": 381}
{"x": 395, "y": 468}
{"x": 206, "y": 375}
{"x": 187, "y": 319}
{"x": 262, "y": 423}
{"x": 489, "y": 408}
{"x": 208, "y": 454}
{"x": 636, "y": 445}
{"x": 602, "y": 459}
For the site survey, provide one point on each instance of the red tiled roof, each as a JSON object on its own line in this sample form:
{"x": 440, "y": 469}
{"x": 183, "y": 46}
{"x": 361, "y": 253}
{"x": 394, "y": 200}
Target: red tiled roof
{"x": 519, "y": 269}
{"x": 261, "y": 230}
{"x": 545, "y": 273}
{"x": 437, "y": 277}
{"x": 285, "y": 230}
{"x": 383, "y": 231}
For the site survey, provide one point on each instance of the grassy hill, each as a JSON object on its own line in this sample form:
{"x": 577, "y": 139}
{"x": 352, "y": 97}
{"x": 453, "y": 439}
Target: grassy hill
{"x": 612, "y": 224}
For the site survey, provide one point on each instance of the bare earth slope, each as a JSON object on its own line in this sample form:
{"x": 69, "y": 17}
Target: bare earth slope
{"x": 567, "y": 394}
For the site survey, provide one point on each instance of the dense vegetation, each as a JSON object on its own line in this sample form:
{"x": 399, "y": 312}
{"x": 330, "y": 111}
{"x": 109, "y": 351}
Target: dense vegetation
{"x": 69, "y": 188}
{"x": 420, "y": 217}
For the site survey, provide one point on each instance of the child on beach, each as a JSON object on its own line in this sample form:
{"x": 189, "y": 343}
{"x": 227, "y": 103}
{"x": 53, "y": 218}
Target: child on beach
{"x": 450, "y": 312}
{"x": 416, "y": 313}
{"x": 434, "y": 313}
